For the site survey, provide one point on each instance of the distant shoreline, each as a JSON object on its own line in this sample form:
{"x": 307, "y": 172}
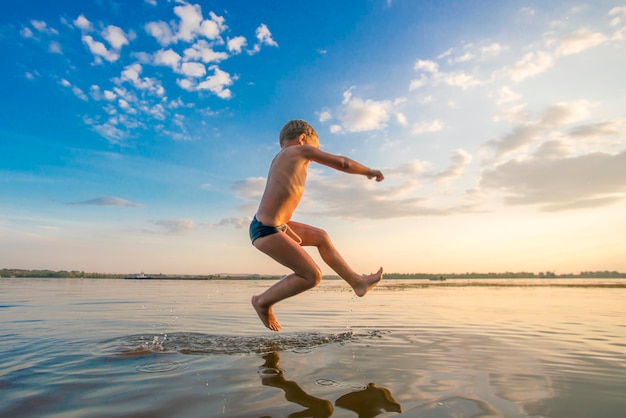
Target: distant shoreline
{"x": 439, "y": 278}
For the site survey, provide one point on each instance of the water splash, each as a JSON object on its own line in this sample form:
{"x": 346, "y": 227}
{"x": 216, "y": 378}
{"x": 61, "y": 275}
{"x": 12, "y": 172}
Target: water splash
{"x": 198, "y": 343}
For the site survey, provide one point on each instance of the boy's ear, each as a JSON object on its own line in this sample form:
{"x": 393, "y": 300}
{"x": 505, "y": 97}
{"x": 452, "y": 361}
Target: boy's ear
{"x": 302, "y": 139}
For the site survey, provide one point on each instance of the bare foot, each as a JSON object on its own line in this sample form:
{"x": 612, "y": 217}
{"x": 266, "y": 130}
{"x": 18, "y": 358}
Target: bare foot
{"x": 368, "y": 282}
{"x": 265, "y": 314}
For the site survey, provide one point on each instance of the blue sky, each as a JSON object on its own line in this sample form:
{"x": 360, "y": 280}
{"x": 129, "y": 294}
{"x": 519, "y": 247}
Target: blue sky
{"x": 136, "y": 136}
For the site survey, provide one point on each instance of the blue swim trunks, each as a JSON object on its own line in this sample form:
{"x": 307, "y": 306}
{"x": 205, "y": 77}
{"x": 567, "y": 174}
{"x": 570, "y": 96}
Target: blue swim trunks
{"x": 258, "y": 230}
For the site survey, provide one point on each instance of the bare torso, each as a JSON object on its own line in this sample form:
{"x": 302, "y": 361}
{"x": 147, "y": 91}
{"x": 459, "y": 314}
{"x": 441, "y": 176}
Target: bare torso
{"x": 284, "y": 188}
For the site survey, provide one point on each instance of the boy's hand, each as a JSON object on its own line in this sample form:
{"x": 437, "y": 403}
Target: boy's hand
{"x": 376, "y": 174}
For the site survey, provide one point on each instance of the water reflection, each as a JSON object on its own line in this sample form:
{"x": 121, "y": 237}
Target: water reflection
{"x": 367, "y": 403}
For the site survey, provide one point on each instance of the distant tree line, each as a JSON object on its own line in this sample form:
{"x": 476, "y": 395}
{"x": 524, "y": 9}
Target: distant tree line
{"x": 75, "y": 274}
{"x": 509, "y": 275}
{"x": 400, "y": 276}
{"x": 55, "y": 274}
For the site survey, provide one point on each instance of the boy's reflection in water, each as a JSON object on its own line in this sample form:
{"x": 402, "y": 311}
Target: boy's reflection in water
{"x": 367, "y": 403}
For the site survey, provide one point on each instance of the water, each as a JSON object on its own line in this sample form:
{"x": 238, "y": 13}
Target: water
{"x": 126, "y": 348}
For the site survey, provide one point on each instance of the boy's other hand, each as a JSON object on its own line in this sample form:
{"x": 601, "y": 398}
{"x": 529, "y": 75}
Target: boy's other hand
{"x": 376, "y": 174}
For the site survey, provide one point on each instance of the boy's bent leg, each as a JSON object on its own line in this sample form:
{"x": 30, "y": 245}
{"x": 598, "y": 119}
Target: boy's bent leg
{"x": 306, "y": 275}
{"x": 312, "y": 236}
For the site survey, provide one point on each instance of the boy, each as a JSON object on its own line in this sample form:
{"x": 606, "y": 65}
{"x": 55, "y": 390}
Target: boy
{"x": 273, "y": 232}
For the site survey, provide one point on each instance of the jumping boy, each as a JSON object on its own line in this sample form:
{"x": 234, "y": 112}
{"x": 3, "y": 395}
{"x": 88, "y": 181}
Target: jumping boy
{"x": 273, "y": 232}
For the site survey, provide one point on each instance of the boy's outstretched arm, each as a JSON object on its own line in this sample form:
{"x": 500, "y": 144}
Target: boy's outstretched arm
{"x": 341, "y": 163}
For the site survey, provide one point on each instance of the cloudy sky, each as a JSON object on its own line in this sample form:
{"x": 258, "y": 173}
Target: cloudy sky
{"x": 136, "y": 136}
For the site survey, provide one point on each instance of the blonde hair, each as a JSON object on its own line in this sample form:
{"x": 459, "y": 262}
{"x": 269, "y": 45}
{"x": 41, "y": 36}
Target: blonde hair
{"x": 293, "y": 129}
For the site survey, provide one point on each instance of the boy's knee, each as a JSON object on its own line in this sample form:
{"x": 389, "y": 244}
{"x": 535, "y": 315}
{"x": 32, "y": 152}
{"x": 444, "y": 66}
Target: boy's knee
{"x": 321, "y": 237}
{"x": 313, "y": 278}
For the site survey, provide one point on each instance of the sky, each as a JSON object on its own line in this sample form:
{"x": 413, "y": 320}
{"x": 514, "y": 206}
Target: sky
{"x": 135, "y": 136}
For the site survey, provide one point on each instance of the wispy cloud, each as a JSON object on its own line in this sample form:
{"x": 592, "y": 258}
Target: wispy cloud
{"x": 237, "y": 223}
{"x": 553, "y": 118}
{"x": 175, "y": 226}
{"x": 556, "y": 184}
{"x": 459, "y": 161}
{"x": 111, "y": 201}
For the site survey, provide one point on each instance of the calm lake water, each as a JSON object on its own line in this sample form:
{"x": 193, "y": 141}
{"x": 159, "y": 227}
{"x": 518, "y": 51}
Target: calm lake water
{"x": 152, "y": 348}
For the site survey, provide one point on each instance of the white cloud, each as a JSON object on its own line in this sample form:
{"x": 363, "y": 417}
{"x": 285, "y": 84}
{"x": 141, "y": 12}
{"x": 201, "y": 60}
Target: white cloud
{"x": 83, "y": 23}
{"x": 507, "y": 95}
{"x": 532, "y": 64}
{"x": 618, "y": 13}
{"x": 358, "y": 115}
{"x": 212, "y": 29}
{"x": 109, "y": 95}
{"x": 578, "y": 41}
{"x": 190, "y": 21}
{"x": 43, "y": 27}
{"x": 185, "y": 84}
{"x": 26, "y": 33}
{"x": 620, "y": 10}
{"x": 468, "y": 56}
{"x": 401, "y": 119}
{"x": 459, "y": 79}
{"x": 217, "y": 83}
{"x": 361, "y": 115}
{"x": 236, "y": 44}
{"x": 161, "y": 31}
{"x": 55, "y": 47}
{"x": 79, "y": 93}
{"x": 193, "y": 69}
{"x": 168, "y": 57}
{"x": 131, "y": 73}
{"x": 107, "y": 130}
{"x": 325, "y": 116}
{"x": 335, "y": 129}
{"x": 190, "y": 26}
{"x": 474, "y": 53}
{"x": 264, "y": 35}
{"x": 203, "y": 51}
{"x": 492, "y": 49}
{"x": 99, "y": 50}
{"x": 115, "y": 36}
{"x": 75, "y": 90}
{"x": 426, "y": 66}
{"x": 418, "y": 83}
{"x": 426, "y": 127}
